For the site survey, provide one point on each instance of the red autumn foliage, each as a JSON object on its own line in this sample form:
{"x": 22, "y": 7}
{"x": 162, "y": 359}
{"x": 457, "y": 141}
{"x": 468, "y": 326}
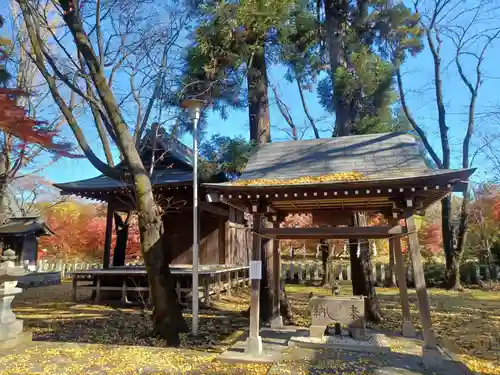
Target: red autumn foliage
{"x": 14, "y": 121}
{"x": 298, "y": 221}
{"x": 431, "y": 239}
{"x": 496, "y": 208}
{"x": 80, "y": 230}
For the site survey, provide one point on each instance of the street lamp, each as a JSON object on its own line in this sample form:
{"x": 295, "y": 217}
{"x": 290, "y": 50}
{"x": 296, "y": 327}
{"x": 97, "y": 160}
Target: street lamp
{"x": 194, "y": 107}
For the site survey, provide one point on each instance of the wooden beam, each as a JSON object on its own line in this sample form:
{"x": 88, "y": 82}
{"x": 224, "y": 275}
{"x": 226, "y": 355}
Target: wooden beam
{"x": 277, "y": 320}
{"x": 334, "y": 232}
{"x": 430, "y": 342}
{"x": 254, "y": 341}
{"x": 108, "y": 234}
{"x": 244, "y": 207}
{"x": 216, "y": 210}
{"x": 395, "y": 248}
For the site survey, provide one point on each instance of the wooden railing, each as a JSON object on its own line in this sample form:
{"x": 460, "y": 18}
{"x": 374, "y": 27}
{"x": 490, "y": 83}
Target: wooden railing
{"x": 301, "y": 270}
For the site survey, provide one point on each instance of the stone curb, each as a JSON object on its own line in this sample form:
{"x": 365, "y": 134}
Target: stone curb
{"x": 353, "y": 348}
{"x": 456, "y": 359}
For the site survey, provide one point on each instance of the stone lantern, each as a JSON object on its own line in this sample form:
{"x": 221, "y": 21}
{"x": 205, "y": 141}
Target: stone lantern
{"x": 11, "y": 329}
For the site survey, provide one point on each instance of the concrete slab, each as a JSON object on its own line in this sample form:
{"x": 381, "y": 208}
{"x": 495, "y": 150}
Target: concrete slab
{"x": 274, "y": 343}
{"x": 34, "y": 279}
{"x": 21, "y": 339}
{"x": 333, "y": 361}
{"x": 375, "y": 343}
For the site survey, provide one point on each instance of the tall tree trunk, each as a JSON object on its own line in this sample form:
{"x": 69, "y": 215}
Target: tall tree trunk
{"x": 267, "y": 290}
{"x": 336, "y": 12}
{"x": 364, "y": 286}
{"x": 167, "y": 312}
{"x": 363, "y": 283}
{"x": 260, "y": 133}
{"x": 285, "y": 306}
{"x": 4, "y": 168}
{"x": 324, "y": 262}
{"x": 258, "y": 101}
{"x": 121, "y": 227}
{"x": 454, "y": 240}
{"x": 390, "y": 281}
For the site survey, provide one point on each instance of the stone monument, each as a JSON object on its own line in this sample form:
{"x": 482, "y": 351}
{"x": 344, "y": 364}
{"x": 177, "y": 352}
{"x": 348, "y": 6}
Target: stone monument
{"x": 11, "y": 329}
{"x": 348, "y": 311}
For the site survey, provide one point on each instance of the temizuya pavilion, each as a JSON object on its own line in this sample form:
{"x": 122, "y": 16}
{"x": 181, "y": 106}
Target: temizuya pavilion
{"x": 393, "y": 179}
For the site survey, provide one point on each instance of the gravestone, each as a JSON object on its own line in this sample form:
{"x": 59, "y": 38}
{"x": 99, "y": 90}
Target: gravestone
{"x": 349, "y": 311}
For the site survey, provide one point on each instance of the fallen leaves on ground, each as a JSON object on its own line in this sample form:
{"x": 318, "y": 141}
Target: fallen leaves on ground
{"x": 47, "y": 312}
{"x": 331, "y": 362}
{"x": 342, "y": 176}
{"x": 89, "y": 359}
{"x": 123, "y": 337}
{"x": 465, "y": 323}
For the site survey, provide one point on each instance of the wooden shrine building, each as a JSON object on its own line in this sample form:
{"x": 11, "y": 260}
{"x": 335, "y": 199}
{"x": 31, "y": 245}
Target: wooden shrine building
{"x": 331, "y": 179}
{"x": 172, "y": 185}
{"x": 21, "y": 235}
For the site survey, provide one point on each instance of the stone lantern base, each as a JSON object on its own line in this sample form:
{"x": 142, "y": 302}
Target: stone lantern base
{"x": 11, "y": 329}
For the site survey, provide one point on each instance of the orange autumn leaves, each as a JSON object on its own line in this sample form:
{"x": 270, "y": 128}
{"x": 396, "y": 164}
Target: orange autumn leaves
{"x": 80, "y": 231}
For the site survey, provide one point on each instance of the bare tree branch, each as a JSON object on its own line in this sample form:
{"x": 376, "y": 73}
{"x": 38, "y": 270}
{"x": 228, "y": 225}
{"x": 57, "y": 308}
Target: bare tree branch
{"x": 306, "y": 109}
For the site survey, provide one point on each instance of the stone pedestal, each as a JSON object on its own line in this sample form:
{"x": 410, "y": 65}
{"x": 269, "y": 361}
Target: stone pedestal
{"x": 348, "y": 311}
{"x": 254, "y": 346}
{"x": 408, "y": 329}
{"x": 277, "y": 323}
{"x": 10, "y": 327}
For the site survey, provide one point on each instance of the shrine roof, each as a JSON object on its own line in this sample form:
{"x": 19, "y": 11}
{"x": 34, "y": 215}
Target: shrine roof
{"x": 159, "y": 177}
{"x": 20, "y": 226}
{"x": 376, "y": 157}
{"x": 386, "y": 173}
{"x": 174, "y": 167}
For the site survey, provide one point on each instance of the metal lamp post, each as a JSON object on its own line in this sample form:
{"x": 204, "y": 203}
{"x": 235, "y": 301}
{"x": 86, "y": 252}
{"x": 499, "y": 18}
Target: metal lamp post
{"x": 194, "y": 107}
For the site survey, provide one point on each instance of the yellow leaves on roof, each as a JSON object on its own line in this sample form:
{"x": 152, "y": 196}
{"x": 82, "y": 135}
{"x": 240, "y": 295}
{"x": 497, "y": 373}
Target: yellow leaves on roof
{"x": 332, "y": 177}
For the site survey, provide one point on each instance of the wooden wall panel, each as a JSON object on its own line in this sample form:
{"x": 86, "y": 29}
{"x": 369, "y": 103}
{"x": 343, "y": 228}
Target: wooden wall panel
{"x": 178, "y": 237}
{"x": 240, "y": 238}
{"x": 221, "y": 241}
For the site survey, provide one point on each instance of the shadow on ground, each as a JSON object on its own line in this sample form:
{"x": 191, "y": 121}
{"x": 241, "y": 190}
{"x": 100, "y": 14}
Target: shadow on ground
{"x": 315, "y": 362}
{"x": 465, "y": 323}
{"x": 57, "y": 319}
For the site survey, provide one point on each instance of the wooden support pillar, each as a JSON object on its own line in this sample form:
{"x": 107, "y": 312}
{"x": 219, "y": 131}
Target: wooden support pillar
{"x": 395, "y": 248}
{"x": 75, "y": 285}
{"x": 277, "y": 319}
{"x": 254, "y": 341}
{"x": 29, "y": 249}
{"x": 108, "y": 235}
{"x": 431, "y": 355}
{"x": 121, "y": 230}
{"x": 98, "y": 290}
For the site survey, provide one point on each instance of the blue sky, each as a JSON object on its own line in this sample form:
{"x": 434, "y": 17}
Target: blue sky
{"x": 418, "y": 79}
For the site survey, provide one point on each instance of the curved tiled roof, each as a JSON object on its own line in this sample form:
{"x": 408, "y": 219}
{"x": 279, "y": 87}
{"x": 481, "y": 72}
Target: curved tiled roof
{"x": 379, "y": 156}
{"x": 161, "y": 175}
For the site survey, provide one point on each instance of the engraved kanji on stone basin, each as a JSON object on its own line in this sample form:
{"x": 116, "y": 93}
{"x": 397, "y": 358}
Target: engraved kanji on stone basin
{"x": 349, "y": 311}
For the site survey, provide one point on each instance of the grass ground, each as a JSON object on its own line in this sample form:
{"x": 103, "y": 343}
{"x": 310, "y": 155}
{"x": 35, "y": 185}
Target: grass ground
{"x": 466, "y": 323}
